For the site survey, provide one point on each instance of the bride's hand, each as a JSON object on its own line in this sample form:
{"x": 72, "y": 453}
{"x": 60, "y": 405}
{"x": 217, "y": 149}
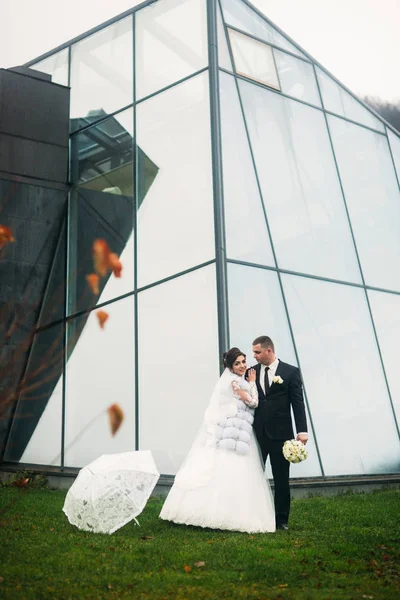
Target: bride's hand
{"x": 251, "y": 375}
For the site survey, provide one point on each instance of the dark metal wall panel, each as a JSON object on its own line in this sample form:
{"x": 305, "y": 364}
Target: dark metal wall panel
{"x": 30, "y": 73}
{"x": 54, "y": 185}
{"x": 33, "y": 108}
{"x": 29, "y": 286}
{"x": 34, "y": 127}
{"x": 33, "y": 159}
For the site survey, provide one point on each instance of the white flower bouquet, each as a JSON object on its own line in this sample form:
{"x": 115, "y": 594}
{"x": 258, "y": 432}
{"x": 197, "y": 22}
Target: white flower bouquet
{"x": 294, "y": 451}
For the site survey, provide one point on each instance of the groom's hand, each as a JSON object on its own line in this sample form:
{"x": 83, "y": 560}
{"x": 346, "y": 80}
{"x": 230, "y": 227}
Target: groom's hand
{"x": 302, "y": 437}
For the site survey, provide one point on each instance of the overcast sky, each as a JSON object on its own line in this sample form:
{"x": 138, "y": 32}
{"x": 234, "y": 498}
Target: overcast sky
{"x": 357, "y": 40}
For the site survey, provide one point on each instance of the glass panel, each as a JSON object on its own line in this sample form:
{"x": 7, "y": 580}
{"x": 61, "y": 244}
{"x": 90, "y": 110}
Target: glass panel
{"x": 348, "y": 399}
{"x": 372, "y": 196}
{"x": 253, "y": 59}
{"x": 177, "y": 320}
{"x": 102, "y": 73}
{"x": 297, "y": 78}
{"x": 240, "y": 15}
{"x": 171, "y": 43}
{"x": 337, "y": 100}
{"x": 386, "y": 313}
{"x": 256, "y": 308}
{"x": 102, "y": 155}
{"x": 56, "y": 66}
{"x": 94, "y": 216}
{"x": 35, "y": 435}
{"x": 394, "y": 141}
{"x": 102, "y": 206}
{"x": 224, "y": 58}
{"x": 246, "y": 230}
{"x": 300, "y": 187}
{"x": 100, "y": 372}
{"x": 176, "y": 216}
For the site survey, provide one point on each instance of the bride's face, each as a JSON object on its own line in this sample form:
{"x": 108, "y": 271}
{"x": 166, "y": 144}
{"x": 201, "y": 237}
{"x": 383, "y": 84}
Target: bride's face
{"x": 239, "y": 366}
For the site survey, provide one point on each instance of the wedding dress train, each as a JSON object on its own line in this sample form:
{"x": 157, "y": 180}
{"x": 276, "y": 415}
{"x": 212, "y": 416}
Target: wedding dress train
{"x": 221, "y": 483}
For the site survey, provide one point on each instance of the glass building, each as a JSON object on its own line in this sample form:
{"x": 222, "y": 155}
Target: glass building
{"x": 247, "y": 192}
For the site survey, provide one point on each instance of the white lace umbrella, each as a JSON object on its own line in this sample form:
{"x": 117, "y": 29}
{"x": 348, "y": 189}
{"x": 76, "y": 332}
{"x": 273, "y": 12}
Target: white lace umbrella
{"x": 111, "y": 491}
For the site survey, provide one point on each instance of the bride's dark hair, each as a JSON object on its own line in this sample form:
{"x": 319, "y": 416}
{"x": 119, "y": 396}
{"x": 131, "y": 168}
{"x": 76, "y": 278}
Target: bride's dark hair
{"x": 228, "y": 358}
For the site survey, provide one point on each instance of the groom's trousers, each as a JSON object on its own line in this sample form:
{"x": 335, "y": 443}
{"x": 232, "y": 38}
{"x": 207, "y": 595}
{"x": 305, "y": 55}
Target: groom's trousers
{"x": 280, "y": 471}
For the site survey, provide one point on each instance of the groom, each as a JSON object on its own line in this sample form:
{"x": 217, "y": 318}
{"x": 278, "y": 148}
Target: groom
{"x": 279, "y": 389}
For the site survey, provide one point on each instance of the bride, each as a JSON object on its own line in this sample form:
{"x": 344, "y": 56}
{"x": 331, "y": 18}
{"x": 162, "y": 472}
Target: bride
{"x": 221, "y": 483}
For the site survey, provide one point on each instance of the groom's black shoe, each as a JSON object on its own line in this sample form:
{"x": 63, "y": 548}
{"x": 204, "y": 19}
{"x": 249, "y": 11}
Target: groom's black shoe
{"x": 283, "y": 526}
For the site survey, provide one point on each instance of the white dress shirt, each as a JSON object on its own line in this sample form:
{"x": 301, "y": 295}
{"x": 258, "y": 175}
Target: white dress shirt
{"x": 271, "y": 373}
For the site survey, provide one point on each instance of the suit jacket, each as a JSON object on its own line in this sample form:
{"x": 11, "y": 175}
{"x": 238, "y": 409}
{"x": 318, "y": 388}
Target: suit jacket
{"x": 272, "y": 416}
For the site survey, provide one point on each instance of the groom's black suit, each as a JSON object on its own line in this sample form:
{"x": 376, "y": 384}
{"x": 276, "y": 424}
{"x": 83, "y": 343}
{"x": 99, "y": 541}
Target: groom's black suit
{"x": 273, "y": 426}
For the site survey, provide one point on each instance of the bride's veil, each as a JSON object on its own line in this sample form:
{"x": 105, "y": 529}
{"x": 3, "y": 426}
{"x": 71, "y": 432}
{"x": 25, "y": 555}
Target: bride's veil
{"x": 197, "y": 467}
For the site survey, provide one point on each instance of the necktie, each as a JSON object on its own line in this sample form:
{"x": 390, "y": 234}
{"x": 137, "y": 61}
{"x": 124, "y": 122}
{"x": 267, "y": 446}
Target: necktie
{"x": 266, "y": 380}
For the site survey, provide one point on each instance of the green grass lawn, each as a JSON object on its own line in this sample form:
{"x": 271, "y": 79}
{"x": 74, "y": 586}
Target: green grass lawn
{"x": 342, "y": 547}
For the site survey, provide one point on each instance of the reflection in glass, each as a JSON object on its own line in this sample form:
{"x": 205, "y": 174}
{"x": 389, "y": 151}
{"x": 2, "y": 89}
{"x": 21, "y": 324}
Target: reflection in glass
{"x": 240, "y": 15}
{"x": 35, "y": 435}
{"x": 373, "y": 199}
{"x": 177, "y": 320}
{"x": 246, "y": 230}
{"x": 253, "y": 59}
{"x": 101, "y": 73}
{"x": 297, "y": 78}
{"x": 348, "y": 398}
{"x": 102, "y": 205}
{"x": 300, "y": 187}
{"x": 100, "y": 372}
{"x": 338, "y": 101}
{"x": 256, "y": 308}
{"x": 102, "y": 155}
{"x": 171, "y": 43}
{"x": 95, "y": 215}
{"x": 176, "y": 219}
{"x": 55, "y": 65}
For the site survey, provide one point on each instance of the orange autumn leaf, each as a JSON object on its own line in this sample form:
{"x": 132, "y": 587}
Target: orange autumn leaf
{"x": 104, "y": 260}
{"x": 101, "y": 256}
{"x": 115, "y": 264}
{"x": 102, "y": 317}
{"x": 116, "y": 416}
{"x": 93, "y": 282}
{"x": 187, "y": 568}
{"x": 6, "y": 235}
{"x": 21, "y": 482}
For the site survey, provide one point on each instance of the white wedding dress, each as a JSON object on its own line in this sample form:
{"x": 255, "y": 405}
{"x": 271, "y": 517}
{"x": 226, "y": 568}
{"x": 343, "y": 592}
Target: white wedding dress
{"x": 223, "y": 488}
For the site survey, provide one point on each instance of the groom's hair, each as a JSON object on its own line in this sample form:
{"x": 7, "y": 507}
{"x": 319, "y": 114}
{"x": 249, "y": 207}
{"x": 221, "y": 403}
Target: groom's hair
{"x": 265, "y": 342}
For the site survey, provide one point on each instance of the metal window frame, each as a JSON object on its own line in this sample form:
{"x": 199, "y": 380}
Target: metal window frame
{"x": 221, "y": 259}
{"x": 273, "y": 249}
{"x": 318, "y": 64}
{"x": 246, "y": 75}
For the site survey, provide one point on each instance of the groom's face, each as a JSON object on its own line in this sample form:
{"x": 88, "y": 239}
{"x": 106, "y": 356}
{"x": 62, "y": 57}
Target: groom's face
{"x": 264, "y": 356}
